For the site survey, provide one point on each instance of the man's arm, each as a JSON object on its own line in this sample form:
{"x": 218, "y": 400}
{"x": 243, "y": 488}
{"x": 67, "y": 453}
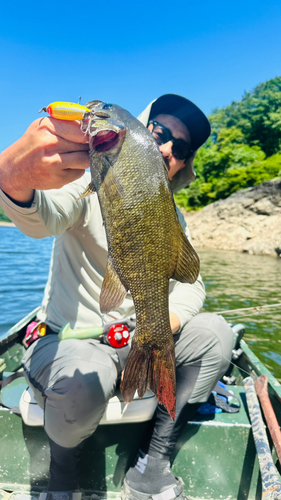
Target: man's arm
{"x": 174, "y": 322}
{"x": 49, "y": 155}
{"x": 185, "y": 301}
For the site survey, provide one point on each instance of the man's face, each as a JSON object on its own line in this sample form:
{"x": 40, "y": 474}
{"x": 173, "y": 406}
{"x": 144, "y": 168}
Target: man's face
{"x": 178, "y": 131}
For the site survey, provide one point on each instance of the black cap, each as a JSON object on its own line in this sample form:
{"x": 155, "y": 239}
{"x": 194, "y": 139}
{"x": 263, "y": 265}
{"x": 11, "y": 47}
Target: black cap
{"x": 187, "y": 112}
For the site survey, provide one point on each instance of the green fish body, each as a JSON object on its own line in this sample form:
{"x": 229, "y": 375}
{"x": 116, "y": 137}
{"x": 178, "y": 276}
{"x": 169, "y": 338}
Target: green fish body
{"x": 146, "y": 243}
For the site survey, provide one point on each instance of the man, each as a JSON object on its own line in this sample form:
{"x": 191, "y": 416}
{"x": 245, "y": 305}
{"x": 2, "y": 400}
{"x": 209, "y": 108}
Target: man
{"x": 41, "y": 177}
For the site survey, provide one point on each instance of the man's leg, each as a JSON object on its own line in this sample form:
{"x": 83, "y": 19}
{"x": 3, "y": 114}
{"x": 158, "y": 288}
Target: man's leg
{"x": 203, "y": 352}
{"x": 73, "y": 381}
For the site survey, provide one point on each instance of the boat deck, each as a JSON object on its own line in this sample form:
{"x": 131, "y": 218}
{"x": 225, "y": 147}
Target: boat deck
{"x": 208, "y": 454}
{"x": 215, "y": 455}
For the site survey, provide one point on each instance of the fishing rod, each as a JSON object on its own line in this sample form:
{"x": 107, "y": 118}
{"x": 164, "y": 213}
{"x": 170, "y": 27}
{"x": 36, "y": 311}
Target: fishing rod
{"x": 256, "y": 309}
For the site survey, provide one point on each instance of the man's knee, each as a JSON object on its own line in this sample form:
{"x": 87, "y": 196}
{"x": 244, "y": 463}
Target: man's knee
{"x": 207, "y": 328}
{"x": 75, "y": 380}
{"x": 75, "y": 404}
{"x": 207, "y": 340}
{"x": 221, "y": 330}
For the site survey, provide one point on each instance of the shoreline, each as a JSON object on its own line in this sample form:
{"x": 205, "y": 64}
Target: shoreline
{"x": 7, "y": 224}
{"x": 248, "y": 221}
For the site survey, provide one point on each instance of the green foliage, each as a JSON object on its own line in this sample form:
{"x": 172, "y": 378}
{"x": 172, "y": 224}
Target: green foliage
{"x": 3, "y": 216}
{"x": 257, "y": 115}
{"x": 244, "y": 148}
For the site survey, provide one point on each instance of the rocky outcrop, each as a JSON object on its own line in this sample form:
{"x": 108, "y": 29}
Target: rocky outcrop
{"x": 247, "y": 221}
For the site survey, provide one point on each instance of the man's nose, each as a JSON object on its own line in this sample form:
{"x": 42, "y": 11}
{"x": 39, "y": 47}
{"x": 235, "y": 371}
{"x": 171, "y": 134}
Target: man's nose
{"x": 166, "y": 149}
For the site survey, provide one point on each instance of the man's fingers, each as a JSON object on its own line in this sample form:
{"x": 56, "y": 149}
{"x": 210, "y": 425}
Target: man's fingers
{"x": 60, "y": 169}
{"x": 66, "y": 129}
{"x": 61, "y": 145}
{"x": 50, "y": 154}
{"x": 76, "y": 160}
{"x": 70, "y": 175}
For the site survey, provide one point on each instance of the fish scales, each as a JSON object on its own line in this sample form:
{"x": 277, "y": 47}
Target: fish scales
{"x": 146, "y": 243}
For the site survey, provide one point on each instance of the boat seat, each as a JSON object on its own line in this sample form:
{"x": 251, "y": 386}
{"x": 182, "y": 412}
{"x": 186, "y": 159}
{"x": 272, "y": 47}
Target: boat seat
{"x": 117, "y": 412}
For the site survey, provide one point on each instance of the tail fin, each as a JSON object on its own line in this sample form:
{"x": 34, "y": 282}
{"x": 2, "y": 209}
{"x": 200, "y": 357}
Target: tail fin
{"x": 152, "y": 368}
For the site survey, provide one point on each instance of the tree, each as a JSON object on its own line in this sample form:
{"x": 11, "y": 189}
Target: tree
{"x": 244, "y": 148}
{"x": 3, "y": 216}
{"x": 257, "y": 115}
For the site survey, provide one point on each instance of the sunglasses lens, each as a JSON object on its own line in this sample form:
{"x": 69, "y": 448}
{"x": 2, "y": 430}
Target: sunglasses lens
{"x": 181, "y": 150}
{"x": 161, "y": 135}
{"x": 158, "y": 138}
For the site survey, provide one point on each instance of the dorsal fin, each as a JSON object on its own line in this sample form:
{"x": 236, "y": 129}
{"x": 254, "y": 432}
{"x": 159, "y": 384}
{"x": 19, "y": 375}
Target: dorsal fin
{"x": 188, "y": 264}
{"x": 113, "y": 291}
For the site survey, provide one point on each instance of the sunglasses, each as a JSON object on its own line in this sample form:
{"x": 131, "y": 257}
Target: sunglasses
{"x": 181, "y": 149}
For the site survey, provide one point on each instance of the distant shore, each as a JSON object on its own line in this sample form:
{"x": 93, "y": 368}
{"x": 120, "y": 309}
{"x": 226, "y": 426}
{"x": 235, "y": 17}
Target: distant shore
{"x": 7, "y": 224}
{"x": 248, "y": 221}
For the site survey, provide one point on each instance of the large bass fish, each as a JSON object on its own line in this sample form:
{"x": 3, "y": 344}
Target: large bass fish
{"x": 146, "y": 243}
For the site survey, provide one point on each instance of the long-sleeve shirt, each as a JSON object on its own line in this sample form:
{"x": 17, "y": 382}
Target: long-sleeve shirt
{"x": 79, "y": 258}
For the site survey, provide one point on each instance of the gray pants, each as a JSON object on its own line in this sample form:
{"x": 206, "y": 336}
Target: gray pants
{"x": 73, "y": 379}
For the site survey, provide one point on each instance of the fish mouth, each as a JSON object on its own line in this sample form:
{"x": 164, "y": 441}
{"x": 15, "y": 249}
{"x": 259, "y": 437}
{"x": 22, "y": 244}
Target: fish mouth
{"x": 104, "y": 140}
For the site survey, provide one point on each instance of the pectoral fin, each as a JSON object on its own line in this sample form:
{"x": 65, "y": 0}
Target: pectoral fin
{"x": 112, "y": 184}
{"x": 113, "y": 291}
{"x": 188, "y": 264}
{"x": 89, "y": 190}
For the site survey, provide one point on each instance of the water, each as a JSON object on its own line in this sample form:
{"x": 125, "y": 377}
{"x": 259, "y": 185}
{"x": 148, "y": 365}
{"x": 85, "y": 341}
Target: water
{"x": 24, "y": 265}
{"x": 232, "y": 281}
{"x": 235, "y": 280}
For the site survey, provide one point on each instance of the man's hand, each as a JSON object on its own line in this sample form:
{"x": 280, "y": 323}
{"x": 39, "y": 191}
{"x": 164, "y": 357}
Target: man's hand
{"x": 175, "y": 323}
{"x": 49, "y": 155}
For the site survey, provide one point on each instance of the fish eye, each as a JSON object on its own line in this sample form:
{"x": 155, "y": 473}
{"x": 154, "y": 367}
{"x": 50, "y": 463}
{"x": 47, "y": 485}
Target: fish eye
{"x": 107, "y": 106}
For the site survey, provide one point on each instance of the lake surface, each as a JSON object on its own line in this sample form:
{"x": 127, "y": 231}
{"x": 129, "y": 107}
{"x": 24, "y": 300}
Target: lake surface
{"x": 232, "y": 281}
{"x": 24, "y": 265}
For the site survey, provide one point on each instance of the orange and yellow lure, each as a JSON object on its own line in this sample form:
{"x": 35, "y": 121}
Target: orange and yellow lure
{"x": 66, "y": 110}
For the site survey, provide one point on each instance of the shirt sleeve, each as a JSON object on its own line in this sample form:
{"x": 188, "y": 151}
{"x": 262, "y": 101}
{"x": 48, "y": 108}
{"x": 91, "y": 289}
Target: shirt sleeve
{"x": 186, "y": 300}
{"x": 51, "y": 212}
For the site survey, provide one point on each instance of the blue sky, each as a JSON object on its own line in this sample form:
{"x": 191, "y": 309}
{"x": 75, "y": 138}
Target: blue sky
{"x": 131, "y": 52}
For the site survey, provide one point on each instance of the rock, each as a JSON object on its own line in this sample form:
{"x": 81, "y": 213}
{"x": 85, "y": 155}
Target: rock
{"x": 247, "y": 221}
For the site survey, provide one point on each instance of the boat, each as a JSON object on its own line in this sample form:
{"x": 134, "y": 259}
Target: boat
{"x": 216, "y": 454}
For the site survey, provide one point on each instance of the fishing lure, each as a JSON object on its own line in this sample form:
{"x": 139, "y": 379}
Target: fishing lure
{"x": 66, "y": 110}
